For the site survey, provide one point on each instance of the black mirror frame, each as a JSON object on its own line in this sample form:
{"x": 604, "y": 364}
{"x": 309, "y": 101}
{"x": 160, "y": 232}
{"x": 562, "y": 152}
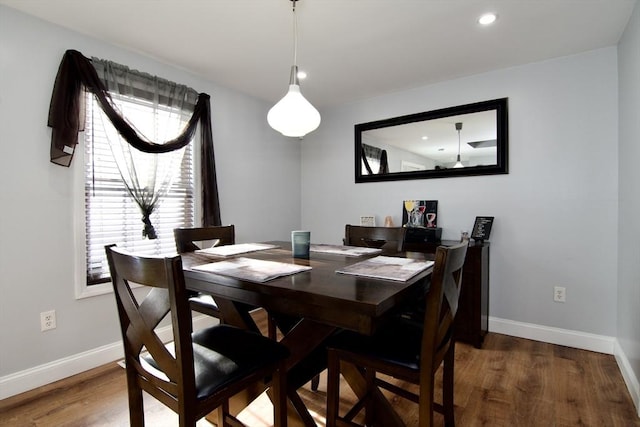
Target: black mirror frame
{"x": 502, "y": 146}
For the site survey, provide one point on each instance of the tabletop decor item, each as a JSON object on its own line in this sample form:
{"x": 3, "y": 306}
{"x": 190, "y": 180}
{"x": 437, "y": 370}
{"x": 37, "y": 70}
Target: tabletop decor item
{"x": 368, "y": 221}
{"x": 300, "y": 242}
{"x": 420, "y": 213}
{"x": 482, "y": 228}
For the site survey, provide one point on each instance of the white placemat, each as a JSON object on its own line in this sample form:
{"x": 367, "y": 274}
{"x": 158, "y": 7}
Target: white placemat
{"x": 389, "y": 268}
{"x": 255, "y": 270}
{"x": 353, "y": 251}
{"x": 232, "y": 250}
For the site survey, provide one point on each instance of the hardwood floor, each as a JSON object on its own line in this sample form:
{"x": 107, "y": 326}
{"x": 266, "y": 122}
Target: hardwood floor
{"x": 509, "y": 382}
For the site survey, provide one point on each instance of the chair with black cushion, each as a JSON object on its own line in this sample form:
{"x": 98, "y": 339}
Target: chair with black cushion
{"x": 192, "y": 239}
{"x": 389, "y": 239}
{"x": 406, "y": 350}
{"x": 198, "y": 371}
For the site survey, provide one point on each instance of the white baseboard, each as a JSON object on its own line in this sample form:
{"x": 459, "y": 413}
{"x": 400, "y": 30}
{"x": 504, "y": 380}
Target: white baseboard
{"x": 19, "y": 382}
{"x": 629, "y": 377}
{"x": 569, "y": 338}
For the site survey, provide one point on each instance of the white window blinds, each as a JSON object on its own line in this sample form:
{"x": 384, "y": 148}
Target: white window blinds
{"x": 111, "y": 215}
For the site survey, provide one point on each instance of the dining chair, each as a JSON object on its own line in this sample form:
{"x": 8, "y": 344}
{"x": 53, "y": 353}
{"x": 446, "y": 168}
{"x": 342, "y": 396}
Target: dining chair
{"x": 192, "y": 239}
{"x": 389, "y": 239}
{"x": 405, "y": 349}
{"x": 197, "y": 372}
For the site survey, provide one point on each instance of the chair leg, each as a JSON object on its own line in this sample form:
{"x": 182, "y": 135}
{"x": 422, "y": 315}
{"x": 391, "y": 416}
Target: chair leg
{"x": 136, "y": 405}
{"x": 271, "y": 328}
{"x": 333, "y": 388}
{"x": 222, "y": 412}
{"x": 279, "y": 385}
{"x": 447, "y": 386}
{"x": 369, "y": 409}
{"x": 315, "y": 383}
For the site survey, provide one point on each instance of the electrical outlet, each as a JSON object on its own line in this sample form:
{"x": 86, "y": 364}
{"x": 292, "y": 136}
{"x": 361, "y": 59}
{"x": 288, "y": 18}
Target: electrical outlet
{"x": 560, "y": 294}
{"x": 47, "y": 320}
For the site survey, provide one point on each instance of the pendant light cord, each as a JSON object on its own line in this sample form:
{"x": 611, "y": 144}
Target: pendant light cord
{"x": 295, "y": 34}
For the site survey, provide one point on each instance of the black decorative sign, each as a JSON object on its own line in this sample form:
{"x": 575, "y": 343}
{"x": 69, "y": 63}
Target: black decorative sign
{"x": 482, "y": 228}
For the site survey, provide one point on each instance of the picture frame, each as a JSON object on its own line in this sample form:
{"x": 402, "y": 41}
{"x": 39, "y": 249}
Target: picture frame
{"x": 482, "y": 228}
{"x": 420, "y": 213}
{"x": 368, "y": 221}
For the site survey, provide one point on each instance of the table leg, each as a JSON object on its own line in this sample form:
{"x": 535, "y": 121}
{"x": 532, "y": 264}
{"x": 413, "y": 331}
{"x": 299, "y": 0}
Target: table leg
{"x": 301, "y": 339}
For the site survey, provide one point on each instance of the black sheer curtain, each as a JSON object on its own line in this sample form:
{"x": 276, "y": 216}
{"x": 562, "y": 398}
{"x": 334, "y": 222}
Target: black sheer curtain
{"x": 67, "y": 116}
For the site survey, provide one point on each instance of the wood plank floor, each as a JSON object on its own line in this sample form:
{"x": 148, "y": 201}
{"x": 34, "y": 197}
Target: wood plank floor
{"x": 509, "y": 382}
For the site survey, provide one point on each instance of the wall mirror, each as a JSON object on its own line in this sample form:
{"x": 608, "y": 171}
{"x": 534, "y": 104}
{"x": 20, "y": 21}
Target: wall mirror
{"x": 464, "y": 140}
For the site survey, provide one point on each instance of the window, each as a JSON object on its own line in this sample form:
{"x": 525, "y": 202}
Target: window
{"x": 111, "y": 215}
{"x": 372, "y": 155}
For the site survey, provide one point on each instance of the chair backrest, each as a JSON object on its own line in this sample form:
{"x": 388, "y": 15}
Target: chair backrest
{"x": 138, "y": 319}
{"x": 185, "y": 237}
{"x": 389, "y": 239}
{"x": 441, "y": 305}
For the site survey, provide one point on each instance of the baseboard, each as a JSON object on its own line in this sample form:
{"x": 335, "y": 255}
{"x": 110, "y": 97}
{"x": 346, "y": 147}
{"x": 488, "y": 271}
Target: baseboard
{"x": 628, "y": 375}
{"x": 566, "y": 337}
{"x": 20, "y": 382}
{"x": 29, "y": 379}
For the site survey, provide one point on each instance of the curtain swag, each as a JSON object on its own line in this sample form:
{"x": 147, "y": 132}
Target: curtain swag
{"x": 67, "y": 116}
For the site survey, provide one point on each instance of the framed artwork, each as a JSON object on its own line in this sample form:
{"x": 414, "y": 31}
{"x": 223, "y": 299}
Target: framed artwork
{"x": 482, "y": 228}
{"x": 368, "y": 221}
{"x": 420, "y": 213}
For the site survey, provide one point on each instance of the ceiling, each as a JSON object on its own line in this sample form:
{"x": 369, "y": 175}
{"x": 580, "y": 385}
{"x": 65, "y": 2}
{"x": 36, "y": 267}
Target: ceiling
{"x": 351, "y": 49}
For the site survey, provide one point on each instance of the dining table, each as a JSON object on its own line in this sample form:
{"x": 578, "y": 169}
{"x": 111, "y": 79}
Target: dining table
{"x": 308, "y": 307}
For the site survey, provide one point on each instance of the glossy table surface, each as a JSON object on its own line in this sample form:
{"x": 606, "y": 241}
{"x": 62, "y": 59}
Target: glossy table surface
{"x": 320, "y": 294}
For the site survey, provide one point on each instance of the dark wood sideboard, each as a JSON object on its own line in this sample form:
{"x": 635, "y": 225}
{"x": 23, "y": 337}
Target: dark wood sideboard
{"x": 472, "y": 319}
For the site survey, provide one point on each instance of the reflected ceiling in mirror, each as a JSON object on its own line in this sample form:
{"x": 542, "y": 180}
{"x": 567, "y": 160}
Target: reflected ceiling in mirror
{"x": 457, "y": 141}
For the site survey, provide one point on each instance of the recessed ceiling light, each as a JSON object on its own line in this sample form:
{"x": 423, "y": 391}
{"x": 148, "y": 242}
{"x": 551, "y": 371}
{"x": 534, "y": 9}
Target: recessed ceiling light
{"x": 301, "y": 75}
{"x": 424, "y": 138}
{"x": 487, "y": 19}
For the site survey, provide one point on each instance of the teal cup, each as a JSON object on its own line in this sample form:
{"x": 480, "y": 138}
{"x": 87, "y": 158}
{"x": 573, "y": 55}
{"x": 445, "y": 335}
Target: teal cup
{"x": 300, "y": 242}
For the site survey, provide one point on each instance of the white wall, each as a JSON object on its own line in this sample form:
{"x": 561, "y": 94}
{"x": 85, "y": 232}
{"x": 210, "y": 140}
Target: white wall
{"x": 628, "y": 309}
{"x": 258, "y": 175}
{"x": 556, "y": 210}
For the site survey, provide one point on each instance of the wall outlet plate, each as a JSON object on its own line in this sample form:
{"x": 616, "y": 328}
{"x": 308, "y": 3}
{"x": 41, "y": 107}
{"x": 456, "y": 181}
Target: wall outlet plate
{"x": 47, "y": 320}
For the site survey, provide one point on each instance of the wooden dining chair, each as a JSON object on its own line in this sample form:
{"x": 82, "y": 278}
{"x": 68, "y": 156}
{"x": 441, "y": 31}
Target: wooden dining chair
{"x": 404, "y": 349}
{"x": 389, "y": 239}
{"x": 192, "y": 239}
{"x": 198, "y": 371}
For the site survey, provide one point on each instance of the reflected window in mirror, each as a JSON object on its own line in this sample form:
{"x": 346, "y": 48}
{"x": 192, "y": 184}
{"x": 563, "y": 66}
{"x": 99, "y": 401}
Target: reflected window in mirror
{"x": 465, "y": 140}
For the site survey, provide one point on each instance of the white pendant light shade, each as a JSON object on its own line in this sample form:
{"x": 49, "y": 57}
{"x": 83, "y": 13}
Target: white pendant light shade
{"x": 293, "y": 115}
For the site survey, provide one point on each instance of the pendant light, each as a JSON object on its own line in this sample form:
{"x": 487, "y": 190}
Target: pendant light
{"x": 293, "y": 115}
{"x": 458, "y": 162}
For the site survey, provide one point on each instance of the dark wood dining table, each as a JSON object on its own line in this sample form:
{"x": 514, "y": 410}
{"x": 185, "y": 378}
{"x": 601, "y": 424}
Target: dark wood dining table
{"x": 321, "y": 300}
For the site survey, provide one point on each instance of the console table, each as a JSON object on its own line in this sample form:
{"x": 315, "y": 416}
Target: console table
{"x": 472, "y": 319}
